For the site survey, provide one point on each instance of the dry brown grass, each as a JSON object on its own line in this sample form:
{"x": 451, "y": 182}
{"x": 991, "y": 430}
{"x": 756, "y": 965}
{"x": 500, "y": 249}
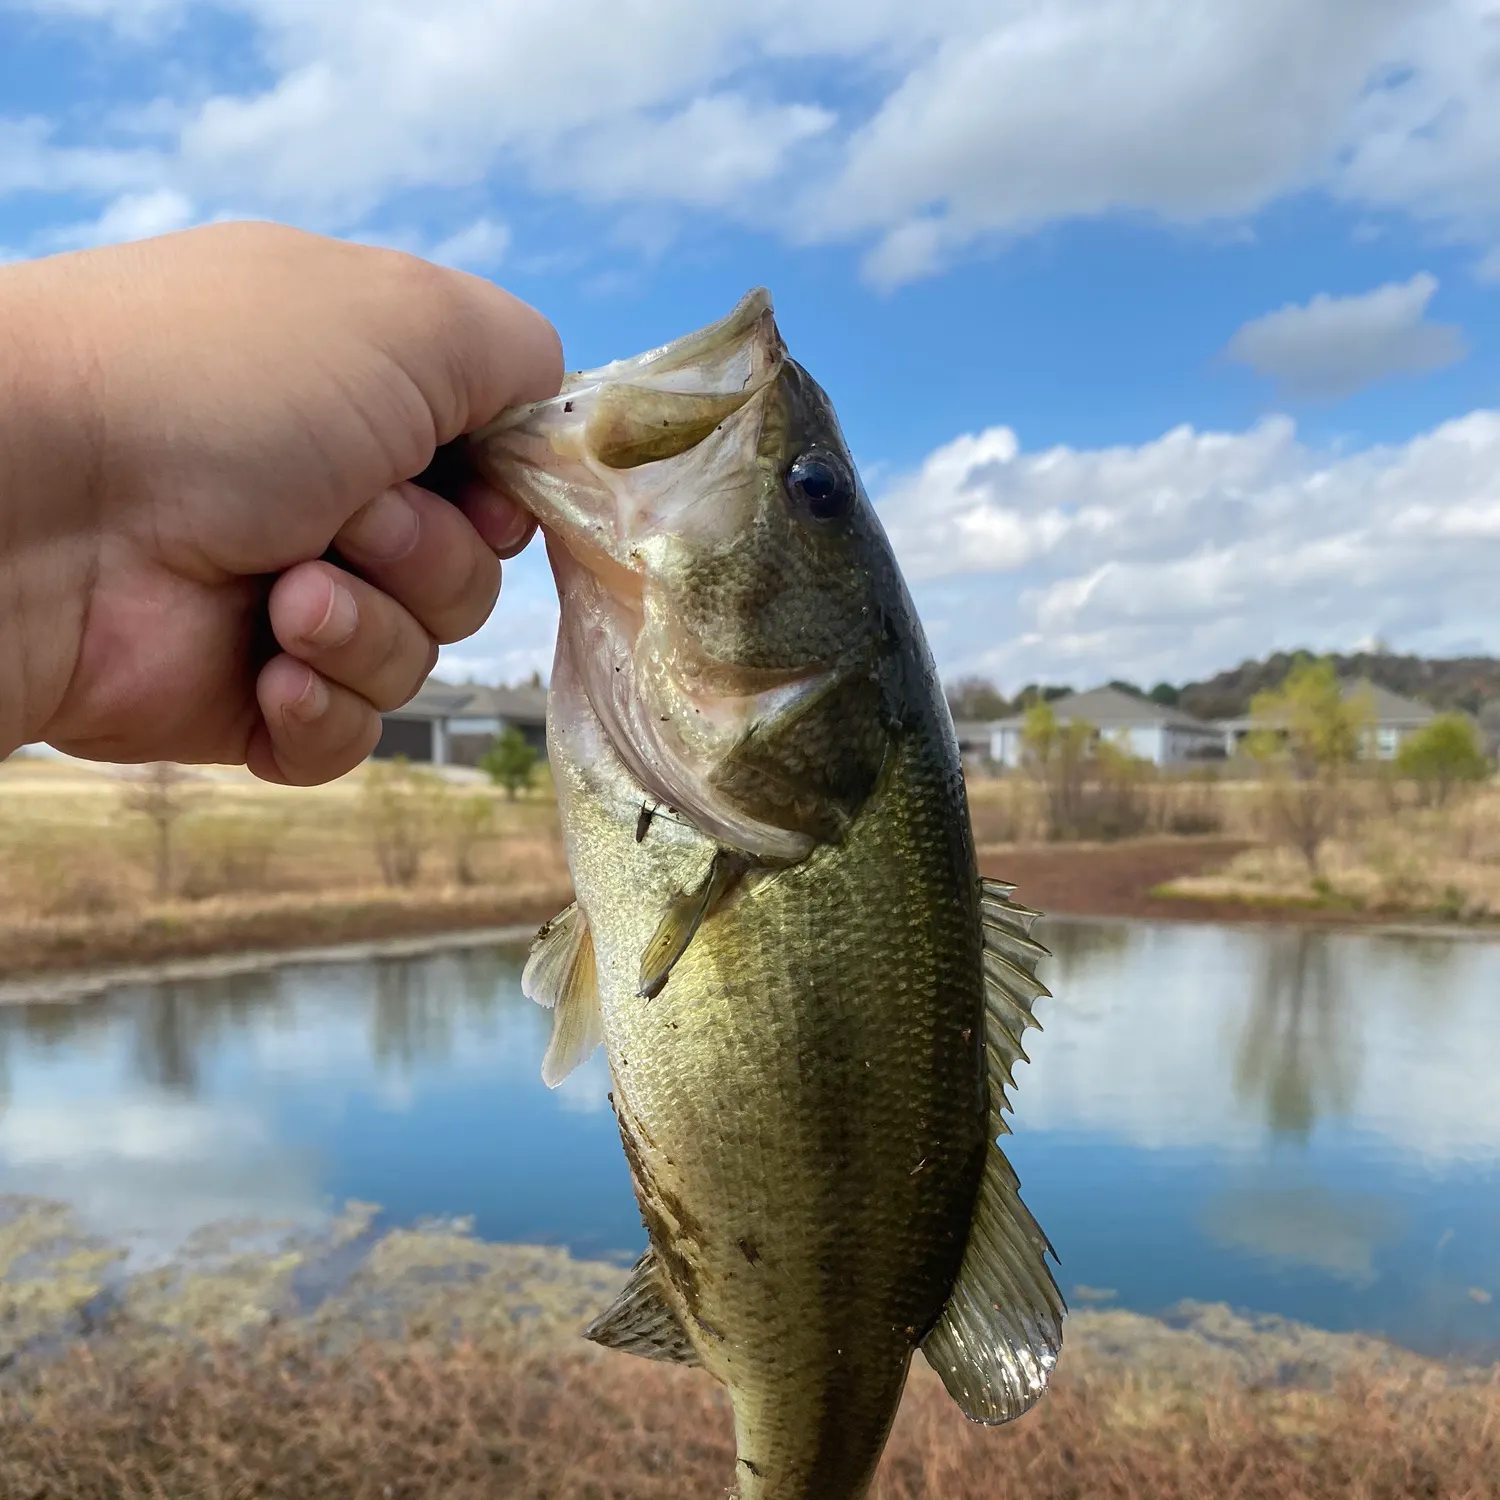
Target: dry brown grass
{"x": 1011, "y": 809}
{"x": 1392, "y": 857}
{"x": 253, "y": 866}
{"x": 439, "y": 1365}
{"x": 487, "y": 1418}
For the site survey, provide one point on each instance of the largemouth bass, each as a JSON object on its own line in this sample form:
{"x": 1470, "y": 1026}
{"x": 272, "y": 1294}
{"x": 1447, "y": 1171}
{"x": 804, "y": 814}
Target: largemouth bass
{"x": 811, "y": 1003}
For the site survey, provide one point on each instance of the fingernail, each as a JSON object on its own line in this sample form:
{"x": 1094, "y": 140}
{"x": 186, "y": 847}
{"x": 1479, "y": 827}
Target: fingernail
{"x": 339, "y": 621}
{"x": 384, "y": 530}
{"x": 312, "y": 702}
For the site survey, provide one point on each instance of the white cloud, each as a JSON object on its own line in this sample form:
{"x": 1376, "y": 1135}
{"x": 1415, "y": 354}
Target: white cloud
{"x": 706, "y": 155}
{"x": 480, "y": 247}
{"x": 1333, "y": 346}
{"x": 1167, "y": 559}
{"x": 133, "y": 19}
{"x": 1197, "y": 549}
{"x": 1426, "y": 142}
{"x": 968, "y": 119}
{"x": 1076, "y": 107}
{"x": 132, "y": 216}
{"x": 31, "y": 161}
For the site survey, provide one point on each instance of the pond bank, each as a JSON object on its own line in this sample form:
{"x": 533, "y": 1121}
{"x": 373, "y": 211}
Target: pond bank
{"x": 64, "y": 957}
{"x": 425, "y": 1363}
{"x": 68, "y": 957}
{"x": 1135, "y": 878}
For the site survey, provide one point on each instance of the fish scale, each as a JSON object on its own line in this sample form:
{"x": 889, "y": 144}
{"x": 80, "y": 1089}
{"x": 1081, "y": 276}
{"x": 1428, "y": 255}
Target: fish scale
{"x": 810, "y": 1003}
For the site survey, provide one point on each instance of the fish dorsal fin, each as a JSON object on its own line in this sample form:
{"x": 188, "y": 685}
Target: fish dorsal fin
{"x": 561, "y": 975}
{"x": 1011, "y": 989}
{"x": 685, "y": 914}
{"x": 639, "y": 1321}
{"x": 1000, "y": 1334}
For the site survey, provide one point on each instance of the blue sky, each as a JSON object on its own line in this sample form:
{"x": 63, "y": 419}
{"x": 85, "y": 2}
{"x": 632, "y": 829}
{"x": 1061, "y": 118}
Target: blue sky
{"x": 1165, "y": 334}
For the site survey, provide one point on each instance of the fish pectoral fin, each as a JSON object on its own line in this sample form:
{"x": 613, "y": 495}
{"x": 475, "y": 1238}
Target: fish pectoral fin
{"x": 639, "y": 1321}
{"x": 561, "y": 975}
{"x": 1011, "y": 989}
{"x": 684, "y": 916}
{"x": 998, "y": 1339}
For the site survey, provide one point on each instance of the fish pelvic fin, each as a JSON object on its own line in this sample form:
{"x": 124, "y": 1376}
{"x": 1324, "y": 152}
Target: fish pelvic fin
{"x": 998, "y": 1339}
{"x": 684, "y": 916}
{"x": 562, "y": 976}
{"x": 639, "y": 1321}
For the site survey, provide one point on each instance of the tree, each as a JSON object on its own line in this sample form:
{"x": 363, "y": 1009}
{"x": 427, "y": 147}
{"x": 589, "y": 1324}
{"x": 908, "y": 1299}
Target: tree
{"x": 402, "y": 806}
{"x": 510, "y": 761}
{"x": 1165, "y": 694}
{"x": 976, "y": 698}
{"x": 1042, "y": 692}
{"x": 160, "y": 792}
{"x": 1309, "y": 734}
{"x": 1443, "y": 755}
{"x": 1058, "y": 755}
{"x": 468, "y": 821}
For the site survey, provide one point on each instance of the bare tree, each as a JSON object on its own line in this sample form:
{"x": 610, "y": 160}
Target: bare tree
{"x": 160, "y": 792}
{"x": 403, "y": 807}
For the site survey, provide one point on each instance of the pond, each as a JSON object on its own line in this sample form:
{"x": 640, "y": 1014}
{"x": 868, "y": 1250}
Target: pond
{"x": 1289, "y": 1121}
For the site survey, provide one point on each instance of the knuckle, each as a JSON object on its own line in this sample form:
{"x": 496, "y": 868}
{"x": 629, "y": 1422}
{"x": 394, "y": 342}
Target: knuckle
{"x": 470, "y": 602}
{"x": 392, "y": 676}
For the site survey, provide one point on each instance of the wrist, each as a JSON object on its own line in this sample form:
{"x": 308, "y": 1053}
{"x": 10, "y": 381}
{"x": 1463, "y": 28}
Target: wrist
{"x": 48, "y": 513}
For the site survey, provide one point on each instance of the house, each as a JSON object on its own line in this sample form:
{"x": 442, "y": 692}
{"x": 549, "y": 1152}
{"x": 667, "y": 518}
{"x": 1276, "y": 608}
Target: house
{"x": 1146, "y": 729}
{"x": 448, "y": 724}
{"x": 1395, "y": 720}
{"x": 1489, "y": 726}
{"x": 491, "y": 711}
{"x": 973, "y": 741}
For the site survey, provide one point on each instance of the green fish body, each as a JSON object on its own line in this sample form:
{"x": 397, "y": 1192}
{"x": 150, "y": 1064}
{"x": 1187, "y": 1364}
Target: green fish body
{"x": 810, "y": 1002}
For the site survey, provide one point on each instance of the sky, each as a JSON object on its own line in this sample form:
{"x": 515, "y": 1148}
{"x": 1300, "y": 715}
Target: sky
{"x": 1165, "y": 334}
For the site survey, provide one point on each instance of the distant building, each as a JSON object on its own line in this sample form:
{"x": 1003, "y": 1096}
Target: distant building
{"x": 973, "y": 740}
{"x": 1396, "y": 719}
{"x": 446, "y": 724}
{"x": 1489, "y": 726}
{"x": 1146, "y": 729}
{"x": 491, "y": 711}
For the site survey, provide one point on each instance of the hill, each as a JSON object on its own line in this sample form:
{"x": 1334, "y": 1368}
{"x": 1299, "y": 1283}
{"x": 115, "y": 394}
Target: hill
{"x": 1465, "y": 682}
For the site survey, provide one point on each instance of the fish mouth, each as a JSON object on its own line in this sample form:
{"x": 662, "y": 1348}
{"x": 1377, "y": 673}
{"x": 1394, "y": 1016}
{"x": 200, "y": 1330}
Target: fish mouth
{"x": 735, "y": 355}
{"x": 637, "y": 461}
{"x": 620, "y": 453}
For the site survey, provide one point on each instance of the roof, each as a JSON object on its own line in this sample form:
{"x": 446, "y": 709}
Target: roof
{"x": 972, "y": 731}
{"x": 433, "y": 700}
{"x": 1108, "y": 709}
{"x": 436, "y": 699}
{"x": 517, "y": 705}
{"x": 1391, "y": 710}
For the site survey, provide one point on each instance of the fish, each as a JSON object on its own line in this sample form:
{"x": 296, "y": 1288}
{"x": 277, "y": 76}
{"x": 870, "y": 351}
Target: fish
{"x": 811, "y": 1003}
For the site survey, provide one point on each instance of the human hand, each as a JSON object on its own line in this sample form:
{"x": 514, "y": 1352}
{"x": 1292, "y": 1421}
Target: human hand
{"x": 187, "y": 425}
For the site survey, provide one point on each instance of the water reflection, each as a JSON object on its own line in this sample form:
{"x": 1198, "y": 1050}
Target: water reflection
{"x": 1290, "y": 1121}
{"x": 1179, "y": 1036}
{"x": 1298, "y": 1057}
{"x": 1309, "y": 1225}
{"x": 416, "y": 1009}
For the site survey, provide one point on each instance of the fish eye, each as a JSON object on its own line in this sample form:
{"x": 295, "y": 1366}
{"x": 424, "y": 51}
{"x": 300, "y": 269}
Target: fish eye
{"x": 822, "y": 484}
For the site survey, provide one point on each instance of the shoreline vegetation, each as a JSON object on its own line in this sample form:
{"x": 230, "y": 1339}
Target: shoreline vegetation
{"x": 103, "y": 869}
{"x": 403, "y": 1364}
